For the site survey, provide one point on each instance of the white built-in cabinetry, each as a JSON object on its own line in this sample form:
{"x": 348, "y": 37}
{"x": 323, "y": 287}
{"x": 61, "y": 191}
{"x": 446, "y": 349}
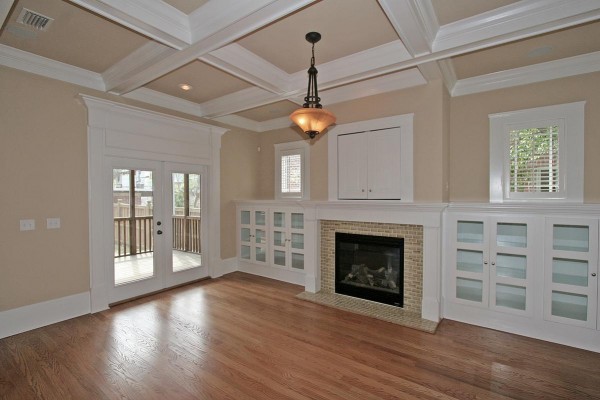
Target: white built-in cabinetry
{"x": 252, "y": 231}
{"x": 527, "y": 269}
{"x": 492, "y": 261}
{"x": 369, "y": 165}
{"x": 271, "y": 240}
{"x": 570, "y": 280}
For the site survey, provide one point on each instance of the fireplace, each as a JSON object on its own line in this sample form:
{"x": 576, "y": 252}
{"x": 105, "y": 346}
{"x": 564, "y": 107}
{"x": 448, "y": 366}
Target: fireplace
{"x": 370, "y": 267}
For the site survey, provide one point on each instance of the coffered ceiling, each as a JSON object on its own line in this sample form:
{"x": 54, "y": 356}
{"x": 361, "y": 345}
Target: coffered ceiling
{"x": 246, "y": 60}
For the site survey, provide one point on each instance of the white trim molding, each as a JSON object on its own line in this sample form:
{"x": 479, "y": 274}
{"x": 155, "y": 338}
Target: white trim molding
{"x": 29, "y": 62}
{"x": 35, "y": 316}
{"x": 115, "y": 130}
{"x": 571, "y": 144}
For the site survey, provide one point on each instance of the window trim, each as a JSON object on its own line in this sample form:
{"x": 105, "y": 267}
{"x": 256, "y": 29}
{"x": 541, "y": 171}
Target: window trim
{"x": 284, "y": 149}
{"x": 571, "y": 142}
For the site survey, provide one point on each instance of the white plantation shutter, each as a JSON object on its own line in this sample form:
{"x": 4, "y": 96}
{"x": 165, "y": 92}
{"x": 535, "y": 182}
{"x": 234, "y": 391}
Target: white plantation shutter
{"x": 534, "y": 160}
{"x": 292, "y": 170}
{"x": 291, "y": 173}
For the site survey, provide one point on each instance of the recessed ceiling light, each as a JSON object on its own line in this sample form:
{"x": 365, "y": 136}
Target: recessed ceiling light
{"x": 185, "y": 86}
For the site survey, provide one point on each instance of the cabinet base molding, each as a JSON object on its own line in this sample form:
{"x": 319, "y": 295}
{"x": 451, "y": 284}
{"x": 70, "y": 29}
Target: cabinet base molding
{"x": 583, "y": 338}
{"x": 35, "y": 316}
{"x": 267, "y": 271}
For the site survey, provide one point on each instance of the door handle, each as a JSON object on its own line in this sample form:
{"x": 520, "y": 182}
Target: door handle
{"x": 158, "y": 223}
{"x": 159, "y": 232}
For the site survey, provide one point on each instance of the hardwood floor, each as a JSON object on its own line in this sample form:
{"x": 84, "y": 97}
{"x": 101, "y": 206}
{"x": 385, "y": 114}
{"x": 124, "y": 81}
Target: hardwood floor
{"x": 245, "y": 337}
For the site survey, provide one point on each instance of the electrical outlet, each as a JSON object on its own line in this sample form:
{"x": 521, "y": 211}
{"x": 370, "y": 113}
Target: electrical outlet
{"x": 52, "y": 223}
{"x": 27, "y": 224}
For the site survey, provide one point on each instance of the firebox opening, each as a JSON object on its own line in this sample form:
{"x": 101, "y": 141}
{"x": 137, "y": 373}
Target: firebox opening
{"x": 370, "y": 267}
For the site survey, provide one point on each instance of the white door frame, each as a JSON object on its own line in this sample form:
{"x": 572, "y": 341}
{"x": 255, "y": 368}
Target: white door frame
{"x": 119, "y": 130}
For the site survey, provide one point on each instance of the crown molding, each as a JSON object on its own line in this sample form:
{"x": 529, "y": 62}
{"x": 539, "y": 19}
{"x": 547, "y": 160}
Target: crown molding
{"x": 154, "y": 19}
{"x": 138, "y": 60}
{"x": 276, "y": 123}
{"x": 448, "y": 73}
{"x": 246, "y": 65}
{"x": 566, "y": 67}
{"x": 29, "y": 62}
{"x": 414, "y": 21}
{"x": 515, "y": 21}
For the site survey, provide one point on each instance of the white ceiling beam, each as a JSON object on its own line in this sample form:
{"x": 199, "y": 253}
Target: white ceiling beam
{"x": 167, "y": 101}
{"x": 224, "y": 36}
{"x": 213, "y": 15}
{"x": 414, "y": 21}
{"x": 29, "y": 62}
{"x": 135, "y": 62}
{"x": 515, "y": 21}
{"x": 241, "y": 100}
{"x": 5, "y": 6}
{"x": 154, "y": 19}
{"x": 246, "y": 65}
{"x": 448, "y": 73}
{"x": 566, "y": 67}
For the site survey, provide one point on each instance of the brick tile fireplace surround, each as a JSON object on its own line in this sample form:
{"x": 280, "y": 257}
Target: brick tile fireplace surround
{"x": 418, "y": 224}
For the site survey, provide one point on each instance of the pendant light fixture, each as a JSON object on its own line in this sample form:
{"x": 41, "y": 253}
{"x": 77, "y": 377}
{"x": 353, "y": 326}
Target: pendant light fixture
{"x": 312, "y": 118}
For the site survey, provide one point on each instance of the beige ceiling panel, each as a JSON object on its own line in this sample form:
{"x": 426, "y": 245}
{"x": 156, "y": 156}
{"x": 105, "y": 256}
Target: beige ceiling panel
{"x": 270, "y": 111}
{"x": 454, "y": 10}
{"x": 186, "y": 6}
{"x": 551, "y": 46}
{"x": 75, "y": 37}
{"x": 207, "y": 82}
{"x": 346, "y": 26}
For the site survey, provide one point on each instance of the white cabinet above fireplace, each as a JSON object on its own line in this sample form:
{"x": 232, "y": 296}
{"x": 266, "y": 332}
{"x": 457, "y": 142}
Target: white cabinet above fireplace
{"x": 372, "y": 160}
{"x": 369, "y": 165}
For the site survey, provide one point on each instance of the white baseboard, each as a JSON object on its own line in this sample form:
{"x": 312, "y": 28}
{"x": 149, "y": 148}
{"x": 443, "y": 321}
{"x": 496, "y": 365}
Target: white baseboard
{"x": 34, "y": 316}
{"x": 279, "y": 274}
{"x": 229, "y": 265}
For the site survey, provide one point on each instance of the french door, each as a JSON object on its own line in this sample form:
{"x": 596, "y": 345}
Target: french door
{"x": 157, "y": 218}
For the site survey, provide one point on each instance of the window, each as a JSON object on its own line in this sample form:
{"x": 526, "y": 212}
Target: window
{"x": 537, "y": 154}
{"x": 292, "y": 170}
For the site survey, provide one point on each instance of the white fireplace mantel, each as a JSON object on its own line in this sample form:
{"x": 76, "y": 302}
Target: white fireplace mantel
{"x": 428, "y": 215}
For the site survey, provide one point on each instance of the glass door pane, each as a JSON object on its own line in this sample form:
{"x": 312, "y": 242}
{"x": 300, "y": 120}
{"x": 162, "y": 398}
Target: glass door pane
{"x": 133, "y": 195}
{"x": 186, "y": 221}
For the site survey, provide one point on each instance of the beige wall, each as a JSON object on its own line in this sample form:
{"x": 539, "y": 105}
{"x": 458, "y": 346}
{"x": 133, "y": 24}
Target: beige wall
{"x": 43, "y": 171}
{"x": 469, "y": 131}
{"x": 428, "y": 102}
{"x": 239, "y": 172}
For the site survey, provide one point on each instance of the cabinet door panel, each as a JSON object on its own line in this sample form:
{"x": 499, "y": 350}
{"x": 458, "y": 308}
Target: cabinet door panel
{"x": 571, "y": 268}
{"x": 352, "y": 166}
{"x": 384, "y": 164}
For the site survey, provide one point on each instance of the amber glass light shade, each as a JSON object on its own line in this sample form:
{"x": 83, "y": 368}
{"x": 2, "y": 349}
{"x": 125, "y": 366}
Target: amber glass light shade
{"x": 312, "y": 121}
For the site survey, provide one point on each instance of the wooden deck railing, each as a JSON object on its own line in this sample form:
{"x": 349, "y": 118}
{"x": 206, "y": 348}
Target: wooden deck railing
{"x": 186, "y": 234}
{"x": 137, "y": 238}
{"x": 133, "y": 238}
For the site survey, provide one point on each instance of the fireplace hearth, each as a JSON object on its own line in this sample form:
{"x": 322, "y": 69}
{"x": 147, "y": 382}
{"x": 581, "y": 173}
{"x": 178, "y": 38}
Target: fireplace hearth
{"x": 370, "y": 267}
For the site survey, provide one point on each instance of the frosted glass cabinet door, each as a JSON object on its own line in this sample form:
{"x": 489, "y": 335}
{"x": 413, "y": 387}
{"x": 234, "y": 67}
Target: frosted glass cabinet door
{"x": 571, "y": 268}
{"x": 511, "y": 254}
{"x": 470, "y": 283}
{"x": 252, "y": 235}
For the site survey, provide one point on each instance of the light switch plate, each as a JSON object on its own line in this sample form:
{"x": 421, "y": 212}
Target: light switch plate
{"x": 27, "y": 224}
{"x": 52, "y": 223}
